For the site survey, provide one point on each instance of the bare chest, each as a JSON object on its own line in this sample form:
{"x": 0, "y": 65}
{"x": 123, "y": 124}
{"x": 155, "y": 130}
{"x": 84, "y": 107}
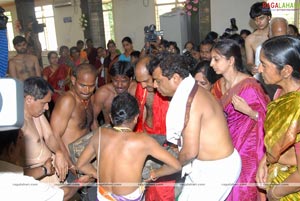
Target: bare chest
{"x": 82, "y": 116}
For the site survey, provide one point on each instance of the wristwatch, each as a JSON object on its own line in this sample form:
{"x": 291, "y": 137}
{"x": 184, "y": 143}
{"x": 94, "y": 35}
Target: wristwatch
{"x": 45, "y": 170}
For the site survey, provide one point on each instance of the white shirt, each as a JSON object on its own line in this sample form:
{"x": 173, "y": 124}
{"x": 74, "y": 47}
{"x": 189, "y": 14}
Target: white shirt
{"x": 15, "y": 186}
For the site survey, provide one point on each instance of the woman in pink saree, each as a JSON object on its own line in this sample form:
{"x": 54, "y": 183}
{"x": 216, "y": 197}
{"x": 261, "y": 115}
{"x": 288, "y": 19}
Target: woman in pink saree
{"x": 244, "y": 103}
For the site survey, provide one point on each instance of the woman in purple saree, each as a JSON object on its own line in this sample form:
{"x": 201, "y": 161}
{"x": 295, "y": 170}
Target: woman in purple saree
{"x": 244, "y": 103}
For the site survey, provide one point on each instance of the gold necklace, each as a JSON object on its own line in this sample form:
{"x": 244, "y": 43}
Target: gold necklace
{"x": 122, "y": 129}
{"x": 232, "y": 82}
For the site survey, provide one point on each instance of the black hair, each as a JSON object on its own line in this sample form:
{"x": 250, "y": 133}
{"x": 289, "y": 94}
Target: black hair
{"x": 171, "y": 64}
{"x": 207, "y": 42}
{"x": 211, "y": 36}
{"x": 189, "y": 42}
{"x": 98, "y": 48}
{"x": 260, "y": 8}
{"x": 174, "y": 43}
{"x": 154, "y": 62}
{"x": 127, "y": 39}
{"x": 135, "y": 54}
{"x": 80, "y": 42}
{"x": 84, "y": 67}
{"x": 245, "y": 31}
{"x": 230, "y": 48}
{"x": 7, "y": 138}
{"x": 225, "y": 35}
{"x": 124, "y": 108}
{"x": 89, "y": 40}
{"x": 122, "y": 68}
{"x": 283, "y": 50}
{"x": 209, "y": 73}
{"x": 296, "y": 30}
{"x": 72, "y": 49}
{"x": 19, "y": 39}
{"x": 164, "y": 43}
{"x": 63, "y": 47}
{"x": 238, "y": 38}
{"x": 50, "y": 53}
{"x": 36, "y": 87}
{"x": 110, "y": 42}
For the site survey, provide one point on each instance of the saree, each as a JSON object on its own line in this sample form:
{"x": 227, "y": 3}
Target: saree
{"x": 282, "y": 131}
{"x": 247, "y": 134}
{"x": 57, "y": 78}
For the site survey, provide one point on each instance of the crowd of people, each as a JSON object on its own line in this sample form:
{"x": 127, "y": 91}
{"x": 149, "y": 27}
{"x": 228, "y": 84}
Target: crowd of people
{"x": 215, "y": 121}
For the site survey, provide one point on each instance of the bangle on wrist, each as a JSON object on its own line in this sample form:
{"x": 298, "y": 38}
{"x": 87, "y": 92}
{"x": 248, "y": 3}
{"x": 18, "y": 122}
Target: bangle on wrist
{"x": 256, "y": 116}
{"x": 151, "y": 177}
{"x": 274, "y": 195}
{"x": 45, "y": 170}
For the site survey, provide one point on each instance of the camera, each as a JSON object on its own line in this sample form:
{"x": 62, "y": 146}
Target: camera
{"x": 233, "y": 27}
{"x": 3, "y": 19}
{"x": 151, "y": 33}
{"x": 37, "y": 28}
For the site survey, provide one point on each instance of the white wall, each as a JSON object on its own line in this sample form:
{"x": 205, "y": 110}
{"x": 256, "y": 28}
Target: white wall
{"x": 222, "y": 11}
{"x": 130, "y": 18}
{"x": 68, "y": 33}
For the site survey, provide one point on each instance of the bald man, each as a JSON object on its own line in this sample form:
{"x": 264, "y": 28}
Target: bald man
{"x": 152, "y": 120}
{"x": 278, "y": 26}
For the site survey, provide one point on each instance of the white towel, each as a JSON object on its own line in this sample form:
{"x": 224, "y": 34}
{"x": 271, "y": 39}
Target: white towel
{"x": 176, "y": 115}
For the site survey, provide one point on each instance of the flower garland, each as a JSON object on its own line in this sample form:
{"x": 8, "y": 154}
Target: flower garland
{"x": 83, "y": 21}
{"x": 191, "y": 7}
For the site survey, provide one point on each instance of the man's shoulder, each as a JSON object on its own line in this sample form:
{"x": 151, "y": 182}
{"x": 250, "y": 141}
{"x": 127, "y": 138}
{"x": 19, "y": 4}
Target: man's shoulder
{"x": 251, "y": 38}
{"x": 132, "y": 87}
{"x": 30, "y": 57}
{"x": 105, "y": 90}
{"x": 14, "y": 58}
{"x": 67, "y": 98}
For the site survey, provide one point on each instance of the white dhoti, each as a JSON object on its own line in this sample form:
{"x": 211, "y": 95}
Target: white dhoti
{"x": 211, "y": 180}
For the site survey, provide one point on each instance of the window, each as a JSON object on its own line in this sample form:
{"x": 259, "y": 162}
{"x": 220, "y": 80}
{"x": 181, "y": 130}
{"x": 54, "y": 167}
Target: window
{"x": 10, "y": 31}
{"x": 44, "y": 15}
{"x": 108, "y": 20}
{"x": 165, "y": 6}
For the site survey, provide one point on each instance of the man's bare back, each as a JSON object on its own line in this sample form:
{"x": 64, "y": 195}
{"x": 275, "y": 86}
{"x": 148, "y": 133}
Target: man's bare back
{"x": 23, "y": 66}
{"x": 211, "y": 134}
{"x": 119, "y": 146}
{"x": 121, "y": 153}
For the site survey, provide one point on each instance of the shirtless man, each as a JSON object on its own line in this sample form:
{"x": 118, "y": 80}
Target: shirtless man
{"x": 23, "y": 65}
{"x": 146, "y": 94}
{"x": 119, "y": 144}
{"x": 196, "y": 123}
{"x": 72, "y": 115}
{"x": 121, "y": 75}
{"x": 261, "y": 17}
{"x": 11, "y": 173}
{"x": 39, "y": 140}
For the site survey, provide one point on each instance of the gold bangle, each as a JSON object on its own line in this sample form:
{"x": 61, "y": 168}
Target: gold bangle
{"x": 274, "y": 195}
